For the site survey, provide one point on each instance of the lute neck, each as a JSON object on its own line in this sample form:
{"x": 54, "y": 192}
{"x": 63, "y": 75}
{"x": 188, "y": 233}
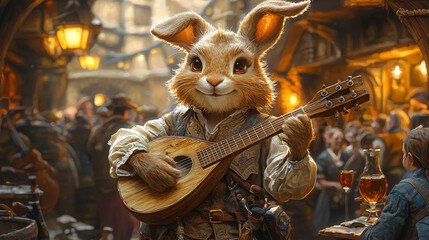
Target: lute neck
{"x": 244, "y": 139}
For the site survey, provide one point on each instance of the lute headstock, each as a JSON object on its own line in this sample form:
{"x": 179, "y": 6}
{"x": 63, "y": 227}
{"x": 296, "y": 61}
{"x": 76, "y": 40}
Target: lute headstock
{"x": 338, "y": 98}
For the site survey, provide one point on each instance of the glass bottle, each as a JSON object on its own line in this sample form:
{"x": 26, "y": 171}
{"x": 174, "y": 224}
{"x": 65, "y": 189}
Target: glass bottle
{"x": 373, "y": 184}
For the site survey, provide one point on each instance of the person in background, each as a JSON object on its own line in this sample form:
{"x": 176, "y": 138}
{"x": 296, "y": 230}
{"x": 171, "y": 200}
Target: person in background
{"x": 146, "y": 113}
{"x": 390, "y": 144}
{"x": 420, "y": 119}
{"x": 354, "y": 155}
{"x": 406, "y": 214}
{"x": 330, "y": 203}
{"x": 416, "y": 107}
{"x": 102, "y": 114}
{"x": 85, "y": 106}
{"x": 318, "y": 145}
{"x": 112, "y": 212}
{"x": 379, "y": 124}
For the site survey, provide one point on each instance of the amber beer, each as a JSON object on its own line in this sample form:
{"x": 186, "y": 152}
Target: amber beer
{"x": 346, "y": 178}
{"x": 373, "y": 188}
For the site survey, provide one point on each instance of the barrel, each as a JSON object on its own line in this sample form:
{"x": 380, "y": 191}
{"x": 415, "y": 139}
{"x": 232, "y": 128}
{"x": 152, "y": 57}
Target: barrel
{"x": 17, "y": 228}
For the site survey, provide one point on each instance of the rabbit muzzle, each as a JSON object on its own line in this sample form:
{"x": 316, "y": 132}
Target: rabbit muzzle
{"x": 215, "y": 86}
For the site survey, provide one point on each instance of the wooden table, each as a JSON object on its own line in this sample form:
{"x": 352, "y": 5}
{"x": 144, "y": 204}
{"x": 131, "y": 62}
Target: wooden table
{"x": 342, "y": 232}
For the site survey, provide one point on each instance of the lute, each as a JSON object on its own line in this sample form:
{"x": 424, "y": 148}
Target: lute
{"x": 202, "y": 164}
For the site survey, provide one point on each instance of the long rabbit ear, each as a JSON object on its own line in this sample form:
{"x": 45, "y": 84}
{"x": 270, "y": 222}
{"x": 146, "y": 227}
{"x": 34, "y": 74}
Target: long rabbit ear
{"x": 182, "y": 30}
{"x": 264, "y": 24}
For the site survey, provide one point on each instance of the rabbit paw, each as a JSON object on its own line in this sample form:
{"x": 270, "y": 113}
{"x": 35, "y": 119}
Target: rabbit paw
{"x": 297, "y": 134}
{"x": 156, "y": 170}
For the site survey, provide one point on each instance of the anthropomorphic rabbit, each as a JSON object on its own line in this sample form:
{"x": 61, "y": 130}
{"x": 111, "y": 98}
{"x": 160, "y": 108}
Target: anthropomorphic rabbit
{"x": 220, "y": 87}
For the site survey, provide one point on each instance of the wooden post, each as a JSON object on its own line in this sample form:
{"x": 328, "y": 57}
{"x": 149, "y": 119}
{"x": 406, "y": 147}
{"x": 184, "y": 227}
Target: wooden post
{"x": 416, "y": 25}
{"x": 13, "y": 15}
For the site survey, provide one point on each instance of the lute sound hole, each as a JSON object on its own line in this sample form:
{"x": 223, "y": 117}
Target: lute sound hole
{"x": 183, "y": 164}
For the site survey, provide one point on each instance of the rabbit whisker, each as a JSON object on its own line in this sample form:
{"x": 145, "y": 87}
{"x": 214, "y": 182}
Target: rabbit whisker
{"x": 250, "y": 87}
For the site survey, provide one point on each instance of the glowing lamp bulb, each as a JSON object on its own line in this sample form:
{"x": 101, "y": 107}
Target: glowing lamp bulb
{"x": 397, "y": 72}
{"x": 99, "y": 99}
{"x": 140, "y": 57}
{"x": 73, "y": 36}
{"x": 293, "y": 100}
{"x": 89, "y": 62}
{"x": 422, "y": 68}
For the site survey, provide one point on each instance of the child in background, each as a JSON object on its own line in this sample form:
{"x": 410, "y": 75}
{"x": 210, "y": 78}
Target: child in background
{"x": 406, "y": 214}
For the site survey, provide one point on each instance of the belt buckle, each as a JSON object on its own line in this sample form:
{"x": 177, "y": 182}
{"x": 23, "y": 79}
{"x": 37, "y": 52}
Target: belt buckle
{"x": 211, "y": 217}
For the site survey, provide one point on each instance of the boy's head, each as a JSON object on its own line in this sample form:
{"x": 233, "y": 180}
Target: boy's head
{"x": 416, "y": 149}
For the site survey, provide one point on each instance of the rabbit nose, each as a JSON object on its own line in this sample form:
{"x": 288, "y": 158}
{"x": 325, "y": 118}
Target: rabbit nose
{"x": 214, "y": 82}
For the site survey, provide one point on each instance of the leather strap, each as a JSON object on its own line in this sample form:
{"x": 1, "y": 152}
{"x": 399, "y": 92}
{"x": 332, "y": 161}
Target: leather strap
{"x": 424, "y": 193}
{"x": 247, "y": 185}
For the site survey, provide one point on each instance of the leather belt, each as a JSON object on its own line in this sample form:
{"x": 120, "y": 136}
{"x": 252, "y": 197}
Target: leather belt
{"x": 216, "y": 216}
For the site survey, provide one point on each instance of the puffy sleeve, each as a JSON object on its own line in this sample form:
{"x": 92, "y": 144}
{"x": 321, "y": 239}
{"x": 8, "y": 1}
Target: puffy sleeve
{"x": 285, "y": 179}
{"x": 126, "y": 141}
{"x": 392, "y": 220}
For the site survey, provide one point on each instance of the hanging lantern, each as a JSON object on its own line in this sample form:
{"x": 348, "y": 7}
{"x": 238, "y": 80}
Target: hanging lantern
{"x": 76, "y": 27}
{"x": 99, "y": 99}
{"x": 51, "y": 45}
{"x": 73, "y": 36}
{"x": 89, "y": 62}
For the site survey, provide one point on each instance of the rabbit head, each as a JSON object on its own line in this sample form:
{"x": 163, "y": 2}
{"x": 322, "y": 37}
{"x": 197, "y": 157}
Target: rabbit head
{"x": 222, "y": 69}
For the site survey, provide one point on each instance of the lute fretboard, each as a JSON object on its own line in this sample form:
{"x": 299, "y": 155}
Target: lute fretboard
{"x": 244, "y": 139}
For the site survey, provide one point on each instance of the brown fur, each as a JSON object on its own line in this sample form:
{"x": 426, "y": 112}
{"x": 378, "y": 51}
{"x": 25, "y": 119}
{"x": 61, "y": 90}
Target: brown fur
{"x": 156, "y": 170}
{"x": 216, "y": 88}
{"x": 297, "y": 134}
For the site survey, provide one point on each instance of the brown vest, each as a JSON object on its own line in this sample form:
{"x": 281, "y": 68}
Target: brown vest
{"x": 221, "y": 202}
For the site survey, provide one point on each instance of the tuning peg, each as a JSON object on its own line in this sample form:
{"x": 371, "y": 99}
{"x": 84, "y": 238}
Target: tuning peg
{"x": 323, "y": 86}
{"x": 338, "y": 87}
{"x": 357, "y": 107}
{"x": 341, "y": 100}
{"x": 324, "y": 93}
{"x": 353, "y": 94}
{"x": 336, "y": 114}
{"x": 350, "y": 83}
{"x": 329, "y": 104}
{"x": 349, "y": 78}
{"x": 345, "y": 111}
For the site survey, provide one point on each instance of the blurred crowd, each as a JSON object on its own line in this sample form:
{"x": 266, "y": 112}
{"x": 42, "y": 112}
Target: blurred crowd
{"x": 75, "y": 145}
{"x": 339, "y": 146}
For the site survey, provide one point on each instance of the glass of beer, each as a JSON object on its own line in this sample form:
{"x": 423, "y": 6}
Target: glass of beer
{"x": 373, "y": 184}
{"x": 346, "y": 180}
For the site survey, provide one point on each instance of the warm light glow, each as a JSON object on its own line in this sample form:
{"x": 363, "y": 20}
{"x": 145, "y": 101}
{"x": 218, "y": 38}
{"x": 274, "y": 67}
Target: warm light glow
{"x": 170, "y": 60}
{"x": 89, "y": 62}
{"x": 99, "y": 99}
{"x": 153, "y": 51}
{"x": 59, "y": 114}
{"x": 51, "y": 45}
{"x": 73, "y": 37}
{"x": 397, "y": 72}
{"x": 140, "y": 57}
{"x": 293, "y": 99}
{"x": 240, "y": 4}
{"x": 120, "y": 64}
{"x": 127, "y": 65}
{"x": 423, "y": 68}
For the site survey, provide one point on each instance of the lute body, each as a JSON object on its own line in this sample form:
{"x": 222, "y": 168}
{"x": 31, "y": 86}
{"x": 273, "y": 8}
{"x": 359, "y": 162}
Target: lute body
{"x": 191, "y": 188}
{"x": 203, "y": 164}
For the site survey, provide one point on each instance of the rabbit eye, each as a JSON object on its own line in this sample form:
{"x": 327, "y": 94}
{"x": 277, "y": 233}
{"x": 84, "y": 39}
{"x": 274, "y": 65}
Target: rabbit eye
{"x": 240, "y": 66}
{"x": 196, "y": 64}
